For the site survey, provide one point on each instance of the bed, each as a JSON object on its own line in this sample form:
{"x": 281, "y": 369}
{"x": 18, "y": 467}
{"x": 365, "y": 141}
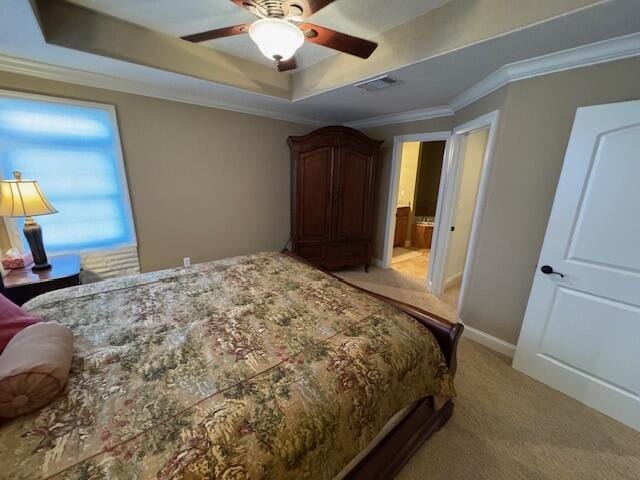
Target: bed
{"x": 258, "y": 366}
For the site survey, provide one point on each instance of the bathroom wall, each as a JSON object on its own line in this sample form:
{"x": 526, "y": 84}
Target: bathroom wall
{"x": 408, "y": 176}
{"x": 408, "y": 169}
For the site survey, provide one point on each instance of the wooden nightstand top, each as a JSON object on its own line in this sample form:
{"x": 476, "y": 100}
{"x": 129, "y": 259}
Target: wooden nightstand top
{"x": 62, "y": 266}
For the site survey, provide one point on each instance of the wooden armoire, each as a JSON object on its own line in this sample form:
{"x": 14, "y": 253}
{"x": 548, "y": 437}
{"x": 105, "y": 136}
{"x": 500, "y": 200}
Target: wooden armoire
{"x": 332, "y": 181}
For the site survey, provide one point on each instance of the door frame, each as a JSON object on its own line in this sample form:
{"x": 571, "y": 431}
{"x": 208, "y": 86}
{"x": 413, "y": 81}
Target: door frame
{"x": 451, "y": 180}
{"x": 394, "y": 184}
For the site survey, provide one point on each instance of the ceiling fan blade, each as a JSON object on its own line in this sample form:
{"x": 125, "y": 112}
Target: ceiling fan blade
{"x": 285, "y": 65}
{"x": 338, "y": 41}
{"x": 217, "y": 33}
{"x": 303, "y": 8}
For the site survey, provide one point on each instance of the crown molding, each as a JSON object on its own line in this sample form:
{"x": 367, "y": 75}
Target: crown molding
{"x": 404, "y": 117}
{"x": 583, "y": 56}
{"x": 592, "y": 54}
{"x": 108, "y": 82}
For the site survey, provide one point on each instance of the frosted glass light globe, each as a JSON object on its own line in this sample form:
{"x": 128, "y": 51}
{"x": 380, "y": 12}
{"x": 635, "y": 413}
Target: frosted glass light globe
{"x": 277, "y": 39}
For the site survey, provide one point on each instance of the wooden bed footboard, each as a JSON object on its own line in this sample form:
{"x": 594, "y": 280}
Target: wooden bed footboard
{"x": 424, "y": 418}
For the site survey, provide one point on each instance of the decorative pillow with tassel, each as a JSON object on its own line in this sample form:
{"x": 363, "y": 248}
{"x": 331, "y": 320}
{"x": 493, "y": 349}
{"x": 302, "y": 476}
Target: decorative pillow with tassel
{"x": 34, "y": 368}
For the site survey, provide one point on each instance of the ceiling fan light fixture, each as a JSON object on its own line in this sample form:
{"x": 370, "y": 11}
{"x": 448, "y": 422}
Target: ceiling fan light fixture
{"x": 277, "y": 39}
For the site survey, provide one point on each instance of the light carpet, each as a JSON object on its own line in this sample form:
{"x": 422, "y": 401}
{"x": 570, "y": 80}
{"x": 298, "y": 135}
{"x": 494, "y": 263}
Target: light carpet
{"x": 505, "y": 424}
{"x": 394, "y": 284}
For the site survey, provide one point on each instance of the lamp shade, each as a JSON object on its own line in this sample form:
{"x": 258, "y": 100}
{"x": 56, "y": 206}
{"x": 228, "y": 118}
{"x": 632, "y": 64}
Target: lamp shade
{"x": 277, "y": 39}
{"x": 23, "y": 198}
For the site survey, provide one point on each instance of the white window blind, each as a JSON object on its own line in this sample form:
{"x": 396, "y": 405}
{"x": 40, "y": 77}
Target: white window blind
{"x": 73, "y": 150}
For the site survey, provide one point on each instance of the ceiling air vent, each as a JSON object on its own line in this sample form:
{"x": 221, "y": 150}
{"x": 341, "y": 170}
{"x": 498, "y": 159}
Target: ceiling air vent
{"x": 377, "y": 83}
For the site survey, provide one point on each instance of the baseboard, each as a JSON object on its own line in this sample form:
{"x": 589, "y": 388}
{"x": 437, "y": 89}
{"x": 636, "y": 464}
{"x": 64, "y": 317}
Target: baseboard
{"x": 376, "y": 262}
{"x": 452, "y": 279}
{"x": 494, "y": 343}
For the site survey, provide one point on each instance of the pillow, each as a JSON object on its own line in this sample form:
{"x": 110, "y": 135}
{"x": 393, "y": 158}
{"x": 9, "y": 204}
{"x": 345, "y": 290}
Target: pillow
{"x": 12, "y": 320}
{"x": 34, "y": 368}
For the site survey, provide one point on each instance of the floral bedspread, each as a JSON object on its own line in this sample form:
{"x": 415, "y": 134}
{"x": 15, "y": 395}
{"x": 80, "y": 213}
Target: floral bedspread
{"x": 254, "y": 367}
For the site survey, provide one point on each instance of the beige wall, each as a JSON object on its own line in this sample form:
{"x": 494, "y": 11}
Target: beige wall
{"x": 472, "y": 160}
{"x": 204, "y": 183}
{"x": 407, "y": 183}
{"x": 536, "y": 116}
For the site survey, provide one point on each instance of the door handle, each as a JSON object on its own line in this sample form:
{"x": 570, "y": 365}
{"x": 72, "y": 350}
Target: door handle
{"x": 548, "y": 270}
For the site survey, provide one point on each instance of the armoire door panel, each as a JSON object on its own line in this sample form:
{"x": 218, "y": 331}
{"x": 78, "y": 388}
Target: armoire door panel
{"x": 354, "y": 186}
{"x": 314, "y": 200}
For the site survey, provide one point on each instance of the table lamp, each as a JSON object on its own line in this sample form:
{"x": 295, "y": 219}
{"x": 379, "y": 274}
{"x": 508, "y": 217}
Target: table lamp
{"x": 23, "y": 198}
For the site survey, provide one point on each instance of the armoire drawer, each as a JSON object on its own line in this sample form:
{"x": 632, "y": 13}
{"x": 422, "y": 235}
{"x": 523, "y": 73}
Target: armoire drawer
{"x": 347, "y": 253}
{"x": 355, "y": 253}
{"x": 310, "y": 251}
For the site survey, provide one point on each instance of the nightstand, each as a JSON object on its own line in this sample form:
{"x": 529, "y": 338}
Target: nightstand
{"x": 22, "y": 284}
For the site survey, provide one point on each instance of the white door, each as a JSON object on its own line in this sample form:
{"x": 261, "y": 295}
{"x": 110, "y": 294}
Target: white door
{"x": 581, "y": 331}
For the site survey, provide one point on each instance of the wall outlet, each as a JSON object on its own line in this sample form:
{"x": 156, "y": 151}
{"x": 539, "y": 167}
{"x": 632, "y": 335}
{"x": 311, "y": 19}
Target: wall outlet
{"x": 186, "y": 261}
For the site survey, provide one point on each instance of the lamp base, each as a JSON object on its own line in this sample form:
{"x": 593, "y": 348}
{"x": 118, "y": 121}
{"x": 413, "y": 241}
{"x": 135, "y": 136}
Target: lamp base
{"x": 33, "y": 233}
{"x": 38, "y": 267}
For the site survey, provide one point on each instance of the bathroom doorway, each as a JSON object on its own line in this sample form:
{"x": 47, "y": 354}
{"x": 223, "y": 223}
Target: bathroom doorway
{"x": 413, "y": 202}
{"x": 420, "y": 172}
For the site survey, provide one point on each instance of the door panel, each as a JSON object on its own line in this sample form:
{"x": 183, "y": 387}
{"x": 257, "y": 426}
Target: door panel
{"x": 354, "y": 192}
{"x": 582, "y": 330}
{"x": 603, "y": 229}
{"x": 313, "y": 206}
{"x": 581, "y": 326}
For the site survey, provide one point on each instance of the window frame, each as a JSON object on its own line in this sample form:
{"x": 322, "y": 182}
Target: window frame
{"x": 15, "y": 236}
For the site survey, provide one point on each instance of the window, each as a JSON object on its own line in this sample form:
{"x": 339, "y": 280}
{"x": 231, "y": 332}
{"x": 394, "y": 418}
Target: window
{"x": 73, "y": 150}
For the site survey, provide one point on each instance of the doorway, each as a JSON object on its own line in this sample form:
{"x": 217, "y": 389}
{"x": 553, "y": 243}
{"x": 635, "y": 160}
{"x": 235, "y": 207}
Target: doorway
{"x": 465, "y": 162}
{"x": 400, "y": 198}
{"x": 418, "y": 188}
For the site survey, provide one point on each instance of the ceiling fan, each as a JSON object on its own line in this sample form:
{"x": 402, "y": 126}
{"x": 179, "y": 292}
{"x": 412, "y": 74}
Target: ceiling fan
{"x": 281, "y": 30}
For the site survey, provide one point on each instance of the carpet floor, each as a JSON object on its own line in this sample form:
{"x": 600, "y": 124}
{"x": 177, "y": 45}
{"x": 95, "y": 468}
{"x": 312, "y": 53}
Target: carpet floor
{"x": 505, "y": 424}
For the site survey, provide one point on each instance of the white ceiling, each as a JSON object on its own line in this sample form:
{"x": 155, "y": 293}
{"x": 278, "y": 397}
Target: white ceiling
{"x": 361, "y": 18}
{"x": 429, "y": 83}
